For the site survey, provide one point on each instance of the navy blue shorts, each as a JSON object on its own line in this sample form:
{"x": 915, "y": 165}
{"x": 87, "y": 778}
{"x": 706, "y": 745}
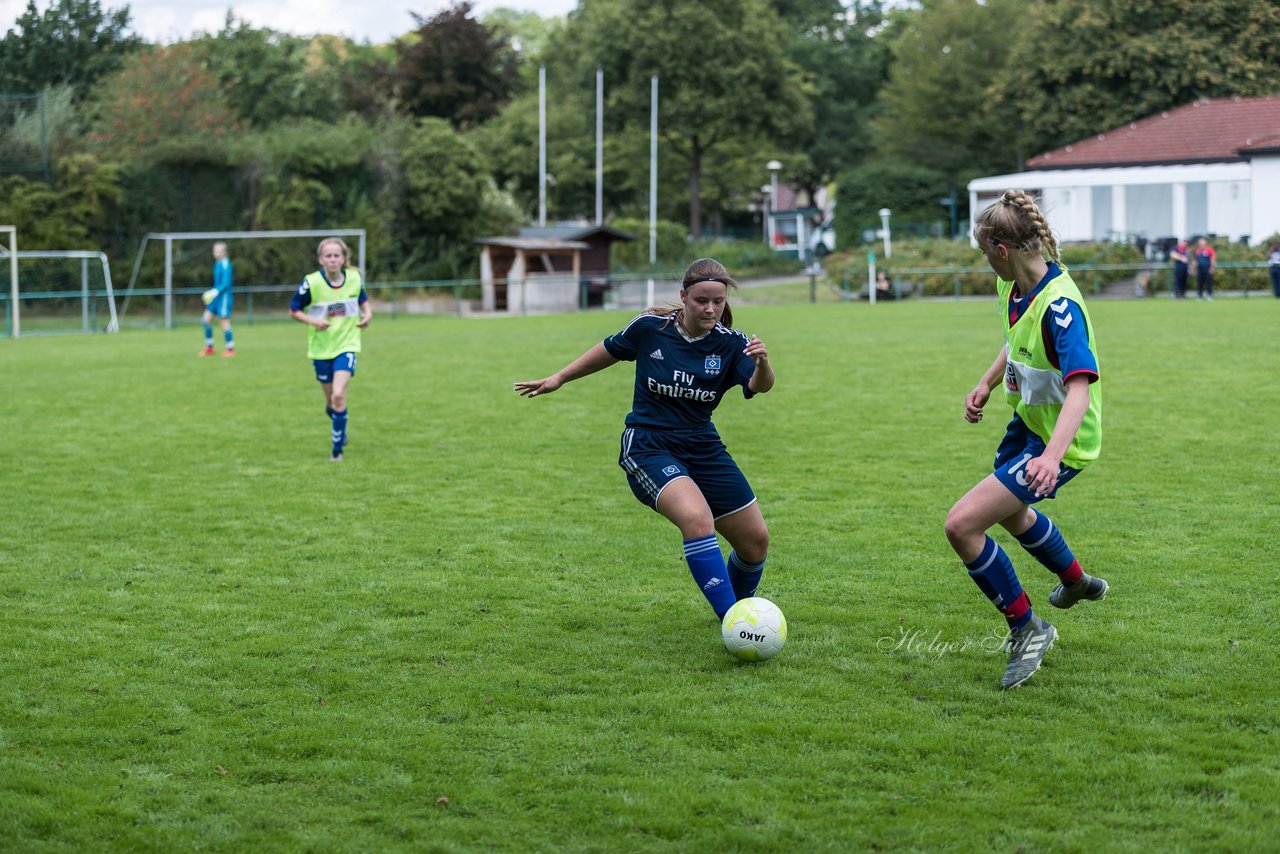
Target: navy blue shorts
{"x": 654, "y": 458}
{"x": 1020, "y": 446}
{"x": 326, "y": 368}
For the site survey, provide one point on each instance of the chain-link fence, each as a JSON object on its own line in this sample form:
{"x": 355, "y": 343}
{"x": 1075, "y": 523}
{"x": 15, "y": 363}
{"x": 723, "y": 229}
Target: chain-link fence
{"x": 82, "y": 306}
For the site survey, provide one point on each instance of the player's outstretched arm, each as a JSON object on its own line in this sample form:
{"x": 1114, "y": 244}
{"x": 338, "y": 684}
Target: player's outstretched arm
{"x": 595, "y": 359}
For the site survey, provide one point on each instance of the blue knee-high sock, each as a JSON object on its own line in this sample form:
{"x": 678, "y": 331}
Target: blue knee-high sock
{"x": 1044, "y": 542}
{"x": 707, "y": 565}
{"x": 745, "y": 577}
{"x": 208, "y": 335}
{"x": 994, "y": 574}
{"x": 229, "y": 338}
{"x": 339, "y": 430}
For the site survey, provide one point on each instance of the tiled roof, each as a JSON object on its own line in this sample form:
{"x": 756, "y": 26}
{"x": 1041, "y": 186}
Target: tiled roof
{"x": 1207, "y": 131}
{"x": 1269, "y": 144}
{"x": 575, "y": 232}
{"x": 533, "y": 244}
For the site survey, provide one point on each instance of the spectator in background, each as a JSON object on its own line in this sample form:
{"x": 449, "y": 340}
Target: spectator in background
{"x": 1180, "y": 255}
{"x": 1206, "y": 263}
{"x": 884, "y": 286}
{"x": 1275, "y": 269}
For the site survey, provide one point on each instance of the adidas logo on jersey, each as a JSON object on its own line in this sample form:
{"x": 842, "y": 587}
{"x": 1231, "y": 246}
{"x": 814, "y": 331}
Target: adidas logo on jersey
{"x": 714, "y": 582}
{"x": 656, "y": 354}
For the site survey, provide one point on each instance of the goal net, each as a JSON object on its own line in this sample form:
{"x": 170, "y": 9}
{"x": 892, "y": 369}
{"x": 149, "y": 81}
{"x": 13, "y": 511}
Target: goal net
{"x": 24, "y": 144}
{"x": 48, "y": 292}
{"x": 172, "y": 270}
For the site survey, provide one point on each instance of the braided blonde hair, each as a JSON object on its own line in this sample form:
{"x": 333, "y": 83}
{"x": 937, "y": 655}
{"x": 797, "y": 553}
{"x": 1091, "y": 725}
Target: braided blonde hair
{"x": 1017, "y": 220}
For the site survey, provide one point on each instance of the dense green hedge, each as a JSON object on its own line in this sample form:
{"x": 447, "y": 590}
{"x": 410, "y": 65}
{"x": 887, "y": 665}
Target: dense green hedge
{"x": 955, "y": 267}
{"x": 742, "y": 258}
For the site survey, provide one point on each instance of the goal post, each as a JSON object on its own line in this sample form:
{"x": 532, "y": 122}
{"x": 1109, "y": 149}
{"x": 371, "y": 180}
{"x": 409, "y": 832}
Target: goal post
{"x": 58, "y": 291}
{"x": 172, "y": 258}
{"x": 12, "y": 312}
{"x": 82, "y": 272}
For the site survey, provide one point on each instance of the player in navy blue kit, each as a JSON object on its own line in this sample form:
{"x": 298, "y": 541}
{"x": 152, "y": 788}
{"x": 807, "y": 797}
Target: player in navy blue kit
{"x": 687, "y": 359}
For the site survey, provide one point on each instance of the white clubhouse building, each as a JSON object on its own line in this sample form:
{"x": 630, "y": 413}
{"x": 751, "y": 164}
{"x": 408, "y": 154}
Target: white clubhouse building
{"x": 1208, "y": 168}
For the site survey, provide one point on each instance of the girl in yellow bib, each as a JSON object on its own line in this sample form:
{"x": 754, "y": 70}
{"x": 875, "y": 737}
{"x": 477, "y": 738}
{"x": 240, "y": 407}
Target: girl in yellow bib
{"x": 332, "y": 301}
{"x": 1049, "y": 368}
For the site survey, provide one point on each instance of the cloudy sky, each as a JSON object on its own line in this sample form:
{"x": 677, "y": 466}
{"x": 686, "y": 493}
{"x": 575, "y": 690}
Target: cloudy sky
{"x": 380, "y": 21}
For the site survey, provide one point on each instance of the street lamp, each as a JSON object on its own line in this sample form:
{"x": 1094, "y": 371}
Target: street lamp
{"x": 765, "y": 193}
{"x": 774, "y": 168}
{"x": 884, "y": 224}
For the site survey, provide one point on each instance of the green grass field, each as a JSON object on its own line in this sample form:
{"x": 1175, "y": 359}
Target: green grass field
{"x": 469, "y": 635}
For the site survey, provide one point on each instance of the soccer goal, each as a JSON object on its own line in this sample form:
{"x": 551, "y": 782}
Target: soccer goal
{"x": 10, "y": 315}
{"x": 55, "y": 292}
{"x": 173, "y": 268}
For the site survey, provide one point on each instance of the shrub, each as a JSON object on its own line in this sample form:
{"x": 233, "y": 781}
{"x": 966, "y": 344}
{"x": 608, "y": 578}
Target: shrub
{"x": 954, "y": 268}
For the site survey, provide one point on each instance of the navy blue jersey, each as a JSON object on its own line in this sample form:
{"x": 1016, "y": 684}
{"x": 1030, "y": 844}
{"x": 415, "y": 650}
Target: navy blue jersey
{"x": 1065, "y": 334}
{"x": 1205, "y": 256}
{"x": 680, "y": 380}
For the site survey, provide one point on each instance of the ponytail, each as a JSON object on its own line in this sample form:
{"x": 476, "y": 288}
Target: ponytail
{"x": 1017, "y": 220}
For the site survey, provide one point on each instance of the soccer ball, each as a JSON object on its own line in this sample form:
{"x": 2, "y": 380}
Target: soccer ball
{"x": 209, "y": 296}
{"x": 754, "y": 629}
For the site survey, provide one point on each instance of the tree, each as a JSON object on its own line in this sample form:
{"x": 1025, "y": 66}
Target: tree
{"x": 1126, "y": 59}
{"x": 846, "y": 59}
{"x": 525, "y": 33}
{"x": 268, "y": 76}
{"x": 455, "y": 69}
{"x": 910, "y": 191}
{"x": 165, "y": 118}
{"x": 935, "y": 110}
{"x": 293, "y": 167}
{"x": 445, "y": 180}
{"x": 365, "y": 86}
{"x": 77, "y": 212}
{"x": 722, "y": 66}
{"x": 291, "y": 201}
{"x": 73, "y": 43}
{"x": 509, "y": 144}
{"x": 162, "y": 103}
{"x": 62, "y": 124}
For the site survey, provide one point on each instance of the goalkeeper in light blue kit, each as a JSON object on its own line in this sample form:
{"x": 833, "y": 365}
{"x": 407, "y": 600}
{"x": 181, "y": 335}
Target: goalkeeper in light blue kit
{"x": 687, "y": 359}
{"x": 218, "y": 302}
{"x": 333, "y": 303}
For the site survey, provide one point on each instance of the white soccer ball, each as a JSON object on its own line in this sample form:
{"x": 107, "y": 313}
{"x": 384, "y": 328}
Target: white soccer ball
{"x": 209, "y": 296}
{"x": 754, "y": 629}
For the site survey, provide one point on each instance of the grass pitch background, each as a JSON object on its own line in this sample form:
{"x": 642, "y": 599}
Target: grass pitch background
{"x": 212, "y": 638}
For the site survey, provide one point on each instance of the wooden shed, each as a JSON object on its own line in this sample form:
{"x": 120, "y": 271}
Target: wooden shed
{"x": 599, "y": 240}
{"x": 519, "y": 274}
